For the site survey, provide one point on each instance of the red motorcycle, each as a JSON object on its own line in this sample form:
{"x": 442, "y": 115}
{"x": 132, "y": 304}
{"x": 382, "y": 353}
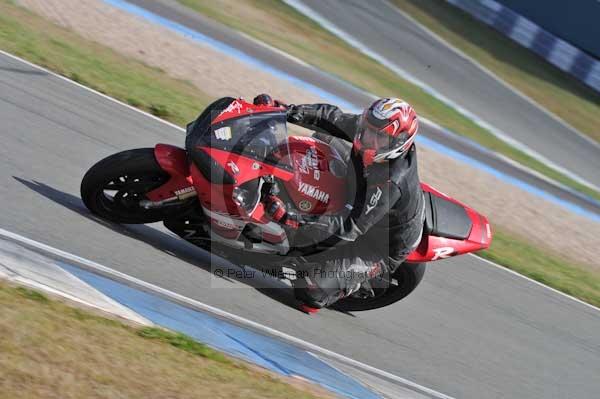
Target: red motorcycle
{"x": 212, "y": 197}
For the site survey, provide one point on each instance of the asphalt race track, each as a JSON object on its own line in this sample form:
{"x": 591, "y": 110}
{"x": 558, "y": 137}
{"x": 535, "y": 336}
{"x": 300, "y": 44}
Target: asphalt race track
{"x": 471, "y": 330}
{"x": 173, "y": 11}
{"x": 378, "y": 25}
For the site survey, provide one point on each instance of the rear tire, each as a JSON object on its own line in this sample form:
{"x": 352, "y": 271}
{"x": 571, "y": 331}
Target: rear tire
{"x": 129, "y": 175}
{"x": 408, "y": 276}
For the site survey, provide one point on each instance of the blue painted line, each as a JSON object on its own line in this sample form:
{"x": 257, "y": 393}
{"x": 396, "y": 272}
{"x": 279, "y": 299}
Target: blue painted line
{"x": 507, "y": 178}
{"x": 231, "y": 51}
{"x": 265, "y": 351}
{"x": 219, "y": 46}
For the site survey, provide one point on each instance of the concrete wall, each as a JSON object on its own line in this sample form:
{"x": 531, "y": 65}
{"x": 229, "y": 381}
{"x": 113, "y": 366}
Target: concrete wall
{"x": 524, "y": 31}
{"x": 577, "y": 22}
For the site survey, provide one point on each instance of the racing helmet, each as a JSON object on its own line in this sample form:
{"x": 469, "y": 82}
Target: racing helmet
{"x": 386, "y": 130}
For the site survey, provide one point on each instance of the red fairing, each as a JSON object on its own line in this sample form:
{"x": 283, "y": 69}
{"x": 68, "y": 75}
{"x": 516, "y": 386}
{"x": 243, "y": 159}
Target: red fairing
{"x": 314, "y": 189}
{"x": 310, "y": 184}
{"x": 243, "y": 168}
{"x": 218, "y": 197}
{"x": 240, "y": 107}
{"x": 172, "y": 160}
{"x": 435, "y": 248}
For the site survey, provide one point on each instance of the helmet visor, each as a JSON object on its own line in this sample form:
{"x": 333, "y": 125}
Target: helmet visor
{"x": 375, "y": 139}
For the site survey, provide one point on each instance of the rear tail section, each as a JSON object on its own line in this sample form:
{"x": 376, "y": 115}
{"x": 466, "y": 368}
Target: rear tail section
{"x": 451, "y": 228}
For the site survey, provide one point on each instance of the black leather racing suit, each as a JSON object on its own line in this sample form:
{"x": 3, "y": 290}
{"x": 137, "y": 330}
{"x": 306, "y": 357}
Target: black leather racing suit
{"x": 384, "y": 217}
{"x": 381, "y": 229}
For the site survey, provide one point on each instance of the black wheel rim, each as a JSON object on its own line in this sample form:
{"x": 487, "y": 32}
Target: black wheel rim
{"x": 122, "y": 195}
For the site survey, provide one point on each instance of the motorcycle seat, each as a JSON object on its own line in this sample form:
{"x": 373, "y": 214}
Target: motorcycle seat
{"x": 444, "y": 218}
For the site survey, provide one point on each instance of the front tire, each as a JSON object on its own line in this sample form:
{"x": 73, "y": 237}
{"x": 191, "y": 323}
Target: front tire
{"x": 113, "y": 187}
{"x": 403, "y": 281}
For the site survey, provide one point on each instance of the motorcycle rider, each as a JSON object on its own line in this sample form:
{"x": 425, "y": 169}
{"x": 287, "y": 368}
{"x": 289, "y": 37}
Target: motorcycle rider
{"x": 383, "y": 223}
{"x": 385, "y": 220}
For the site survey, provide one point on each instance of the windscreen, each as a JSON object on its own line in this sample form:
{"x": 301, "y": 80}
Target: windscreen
{"x": 261, "y": 136}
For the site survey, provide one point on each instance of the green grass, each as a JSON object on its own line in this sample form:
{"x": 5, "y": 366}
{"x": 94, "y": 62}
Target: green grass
{"x": 32, "y": 294}
{"x": 283, "y": 27}
{"x": 52, "y": 350}
{"x": 557, "y": 91}
{"x": 183, "y": 342}
{"x": 547, "y": 267}
{"x": 30, "y": 37}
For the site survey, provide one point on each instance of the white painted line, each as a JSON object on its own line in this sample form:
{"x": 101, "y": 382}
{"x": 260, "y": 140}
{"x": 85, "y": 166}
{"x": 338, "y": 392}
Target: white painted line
{"x": 381, "y": 386}
{"x": 35, "y": 285}
{"x": 325, "y": 23}
{"x": 106, "y": 271}
{"x": 49, "y": 72}
{"x": 31, "y": 268}
{"x": 507, "y": 270}
{"x": 275, "y": 50}
{"x": 506, "y": 159}
{"x": 520, "y": 21}
{"x": 423, "y": 119}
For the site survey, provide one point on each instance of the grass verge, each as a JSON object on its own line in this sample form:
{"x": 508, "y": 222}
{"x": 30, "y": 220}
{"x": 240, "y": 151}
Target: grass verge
{"x": 279, "y": 25}
{"x": 28, "y": 36}
{"x": 550, "y": 87}
{"x": 547, "y": 267}
{"x": 52, "y": 350}
{"x": 41, "y": 42}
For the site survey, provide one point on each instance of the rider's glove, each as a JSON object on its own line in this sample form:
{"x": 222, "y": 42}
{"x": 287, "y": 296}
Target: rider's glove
{"x": 294, "y": 114}
{"x": 279, "y": 103}
{"x": 275, "y": 208}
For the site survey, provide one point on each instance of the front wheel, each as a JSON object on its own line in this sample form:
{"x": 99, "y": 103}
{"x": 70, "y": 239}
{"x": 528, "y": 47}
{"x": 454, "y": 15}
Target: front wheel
{"x": 401, "y": 283}
{"x": 114, "y": 187}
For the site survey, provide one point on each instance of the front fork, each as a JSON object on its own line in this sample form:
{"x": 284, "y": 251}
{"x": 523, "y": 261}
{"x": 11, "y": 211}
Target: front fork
{"x": 177, "y": 199}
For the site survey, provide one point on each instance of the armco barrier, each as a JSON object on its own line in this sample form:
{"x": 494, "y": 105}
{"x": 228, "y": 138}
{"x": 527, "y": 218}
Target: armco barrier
{"x": 520, "y": 29}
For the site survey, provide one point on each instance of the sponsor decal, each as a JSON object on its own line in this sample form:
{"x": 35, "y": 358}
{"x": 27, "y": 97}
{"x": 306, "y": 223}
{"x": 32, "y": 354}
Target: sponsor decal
{"x": 234, "y": 168}
{"x": 314, "y": 192}
{"x": 373, "y": 201}
{"x": 304, "y": 138}
{"x": 234, "y": 106}
{"x": 223, "y": 133}
{"x": 309, "y": 161}
{"x": 443, "y": 253}
{"x": 305, "y": 205}
{"x": 225, "y": 225}
{"x": 184, "y": 190}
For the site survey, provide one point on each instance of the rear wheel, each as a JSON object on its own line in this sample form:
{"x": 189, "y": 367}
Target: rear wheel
{"x": 114, "y": 187}
{"x": 387, "y": 290}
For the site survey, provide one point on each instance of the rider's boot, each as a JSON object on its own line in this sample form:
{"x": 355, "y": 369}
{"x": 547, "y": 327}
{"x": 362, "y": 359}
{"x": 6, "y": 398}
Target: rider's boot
{"x": 321, "y": 289}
